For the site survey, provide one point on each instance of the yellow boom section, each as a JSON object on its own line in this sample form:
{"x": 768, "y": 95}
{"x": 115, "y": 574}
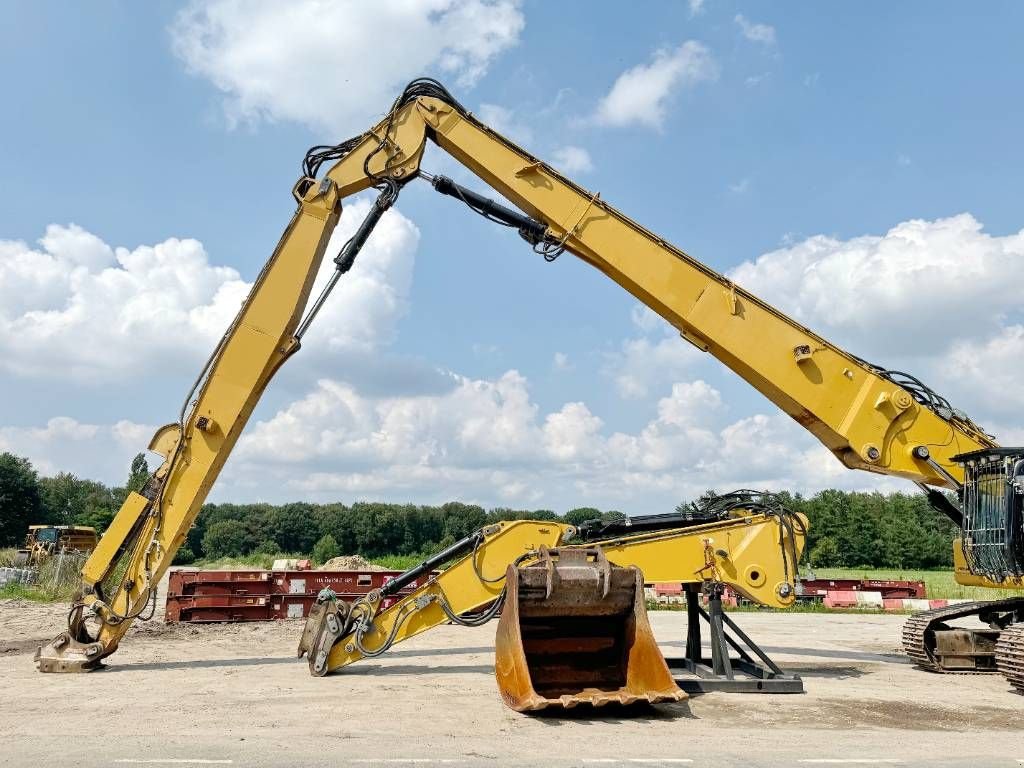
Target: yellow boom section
{"x": 867, "y": 421}
{"x": 119, "y": 579}
{"x": 755, "y": 555}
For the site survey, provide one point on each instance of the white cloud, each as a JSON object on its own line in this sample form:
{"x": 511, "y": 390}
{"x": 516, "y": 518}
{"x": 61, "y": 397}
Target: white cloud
{"x": 758, "y": 33}
{"x": 911, "y": 291}
{"x": 337, "y": 65}
{"x": 645, "y": 364}
{"x": 484, "y": 441}
{"x": 938, "y": 299}
{"x": 572, "y": 434}
{"x": 95, "y": 312}
{"x": 90, "y": 450}
{"x": 561, "y": 362}
{"x": 570, "y": 160}
{"x": 506, "y": 122}
{"x": 652, "y": 361}
{"x": 646, "y": 319}
{"x": 641, "y": 95}
{"x": 740, "y": 186}
{"x": 696, "y": 7}
{"x": 991, "y": 371}
{"x": 487, "y": 441}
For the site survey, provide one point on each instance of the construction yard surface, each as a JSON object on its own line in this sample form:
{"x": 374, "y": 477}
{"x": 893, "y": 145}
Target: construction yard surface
{"x": 236, "y": 695}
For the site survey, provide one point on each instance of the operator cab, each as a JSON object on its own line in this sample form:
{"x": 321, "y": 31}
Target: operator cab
{"x": 993, "y": 512}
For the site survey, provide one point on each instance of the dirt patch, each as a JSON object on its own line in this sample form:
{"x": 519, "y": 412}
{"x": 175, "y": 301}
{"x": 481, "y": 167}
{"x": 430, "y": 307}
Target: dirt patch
{"x": 842, "y": 714}
{"x": 237, "y": 692}
{"x": 350, "y": 563}
{"x": 24, "y": 624}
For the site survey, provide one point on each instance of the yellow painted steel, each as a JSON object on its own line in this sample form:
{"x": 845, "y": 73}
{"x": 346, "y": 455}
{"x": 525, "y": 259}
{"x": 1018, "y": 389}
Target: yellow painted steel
{"x": 866, "y": 421}
{"x": 962, "y": 573}
{"x": 745, "y": 553}
{"x": 260, "y": 339}
{"x": 460, "y": 585}
{"x": 104, "y": 556}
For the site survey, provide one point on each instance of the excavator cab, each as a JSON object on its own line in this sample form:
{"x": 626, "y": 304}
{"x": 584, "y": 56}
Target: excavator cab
{"x": 993, "y": 512}
{"x": 573, "y": 631}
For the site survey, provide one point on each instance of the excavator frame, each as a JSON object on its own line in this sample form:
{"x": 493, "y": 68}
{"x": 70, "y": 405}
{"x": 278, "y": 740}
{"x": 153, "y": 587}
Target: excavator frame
{"x": 872, "y": 419}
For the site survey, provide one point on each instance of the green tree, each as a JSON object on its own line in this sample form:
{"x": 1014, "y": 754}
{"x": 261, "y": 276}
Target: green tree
{"x": 459, "y": 520}
{"x": 292, "y": 526}
{"x": 267, "y": 547}
{"x": 325, "y": 549}
{"x": 20, "y": 505}
{"x": 139, "y": 474}
{"x": 227, "y": 538}
{"x": 581, "y": 515}
{"x": 70, "y": 500}
{"x": 825, "y": 554}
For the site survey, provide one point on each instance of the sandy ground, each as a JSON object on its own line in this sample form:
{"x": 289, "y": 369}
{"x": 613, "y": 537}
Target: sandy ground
{"x": 236, "y": 695}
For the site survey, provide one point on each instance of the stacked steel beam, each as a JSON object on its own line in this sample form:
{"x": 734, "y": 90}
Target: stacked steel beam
{"x": 258, "y": 595}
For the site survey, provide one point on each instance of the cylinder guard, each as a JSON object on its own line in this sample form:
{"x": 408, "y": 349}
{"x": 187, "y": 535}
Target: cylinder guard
{"x": 573, "y": 631}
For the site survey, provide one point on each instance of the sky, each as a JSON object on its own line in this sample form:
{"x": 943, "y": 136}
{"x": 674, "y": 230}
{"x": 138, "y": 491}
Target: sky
{"x": 858, "y": 165}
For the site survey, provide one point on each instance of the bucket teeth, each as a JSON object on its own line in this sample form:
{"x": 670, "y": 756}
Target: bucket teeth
{"x": 574, "y": 632}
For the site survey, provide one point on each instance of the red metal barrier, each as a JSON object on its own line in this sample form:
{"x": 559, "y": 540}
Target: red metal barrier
{"x": 817, "y": 589}
{"x": 836, "y": 598}
{"x": 213, "y": 596}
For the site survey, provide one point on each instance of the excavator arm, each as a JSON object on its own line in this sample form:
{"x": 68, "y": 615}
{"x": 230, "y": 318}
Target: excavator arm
{"x": 754, "y": 554}
{"x": 869, "y": 418}
{"x": 573, "y": 625}
{"x": 120, "y": 577}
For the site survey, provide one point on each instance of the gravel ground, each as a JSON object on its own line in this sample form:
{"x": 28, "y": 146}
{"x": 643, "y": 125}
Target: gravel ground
{"x": 236, "y": 695}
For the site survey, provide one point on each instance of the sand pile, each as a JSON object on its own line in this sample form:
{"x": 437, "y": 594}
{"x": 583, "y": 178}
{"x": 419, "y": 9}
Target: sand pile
{"x": 350, "y": 563}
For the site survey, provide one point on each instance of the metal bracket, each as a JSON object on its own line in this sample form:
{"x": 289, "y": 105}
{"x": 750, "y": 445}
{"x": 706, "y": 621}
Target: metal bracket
{"x": 722, "y": 672}
{"x": 571, "y": 232}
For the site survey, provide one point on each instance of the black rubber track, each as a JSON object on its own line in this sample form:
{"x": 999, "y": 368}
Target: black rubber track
{"x": 919, "y": 643}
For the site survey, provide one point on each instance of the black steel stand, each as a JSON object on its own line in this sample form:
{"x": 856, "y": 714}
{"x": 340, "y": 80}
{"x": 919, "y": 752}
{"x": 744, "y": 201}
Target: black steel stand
{"x": 722, "y": 672}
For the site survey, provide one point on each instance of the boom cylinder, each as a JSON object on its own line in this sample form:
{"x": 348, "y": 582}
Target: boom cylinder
{"x": 459, "y": 548}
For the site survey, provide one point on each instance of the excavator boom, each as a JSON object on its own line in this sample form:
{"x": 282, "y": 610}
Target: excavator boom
{"x": 870, "y": 418}
{"x": 573, "y": 627}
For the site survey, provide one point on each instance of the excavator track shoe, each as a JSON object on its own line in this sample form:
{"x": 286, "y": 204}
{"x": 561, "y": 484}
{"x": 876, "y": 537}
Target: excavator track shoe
{"x": 574, "y": 631}
{"x": 1010, "y": 655}
{"x": 934, "y": 645}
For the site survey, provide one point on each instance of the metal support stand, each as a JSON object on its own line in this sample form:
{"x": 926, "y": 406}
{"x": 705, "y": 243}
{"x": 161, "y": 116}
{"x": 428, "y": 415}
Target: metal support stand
{"x": 722, "y": 672}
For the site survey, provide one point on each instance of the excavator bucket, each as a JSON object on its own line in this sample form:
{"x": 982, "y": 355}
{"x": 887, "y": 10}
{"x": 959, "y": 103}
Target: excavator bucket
{"x": 573, "y": 631}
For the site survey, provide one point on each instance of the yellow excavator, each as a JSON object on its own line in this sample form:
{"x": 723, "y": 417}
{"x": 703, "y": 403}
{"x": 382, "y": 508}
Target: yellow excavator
{"x": 570, "y": 630}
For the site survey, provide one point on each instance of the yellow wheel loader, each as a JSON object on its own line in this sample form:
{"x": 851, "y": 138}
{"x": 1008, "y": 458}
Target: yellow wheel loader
{"x": 42, "y": 541}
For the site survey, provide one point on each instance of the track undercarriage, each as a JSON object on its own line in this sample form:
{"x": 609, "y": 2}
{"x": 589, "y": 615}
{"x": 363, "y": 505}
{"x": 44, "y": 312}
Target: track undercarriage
{"x": 934, "y": 643}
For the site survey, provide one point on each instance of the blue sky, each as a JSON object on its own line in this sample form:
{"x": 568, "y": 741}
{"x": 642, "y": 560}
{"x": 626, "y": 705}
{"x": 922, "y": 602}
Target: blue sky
{"x": 875, "y": 145}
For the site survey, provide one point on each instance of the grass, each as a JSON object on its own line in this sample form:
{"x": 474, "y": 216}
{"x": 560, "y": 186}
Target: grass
{"x": 940, "y": 584}
{"x": 53, "y": 584}
{"x": 36, "y": 593}
{"x": 256, "y": 560}
{"x": 398, "y": 562}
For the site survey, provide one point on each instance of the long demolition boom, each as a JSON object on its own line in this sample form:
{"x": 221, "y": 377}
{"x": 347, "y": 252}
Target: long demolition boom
{"x": 869, "y": 418}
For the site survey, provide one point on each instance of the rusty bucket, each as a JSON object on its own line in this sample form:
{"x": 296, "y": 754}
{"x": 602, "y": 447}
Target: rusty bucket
{"x": 573, "y": 631}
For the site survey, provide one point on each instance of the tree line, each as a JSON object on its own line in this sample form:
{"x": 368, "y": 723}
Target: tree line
{"x": 852, "y": 529}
